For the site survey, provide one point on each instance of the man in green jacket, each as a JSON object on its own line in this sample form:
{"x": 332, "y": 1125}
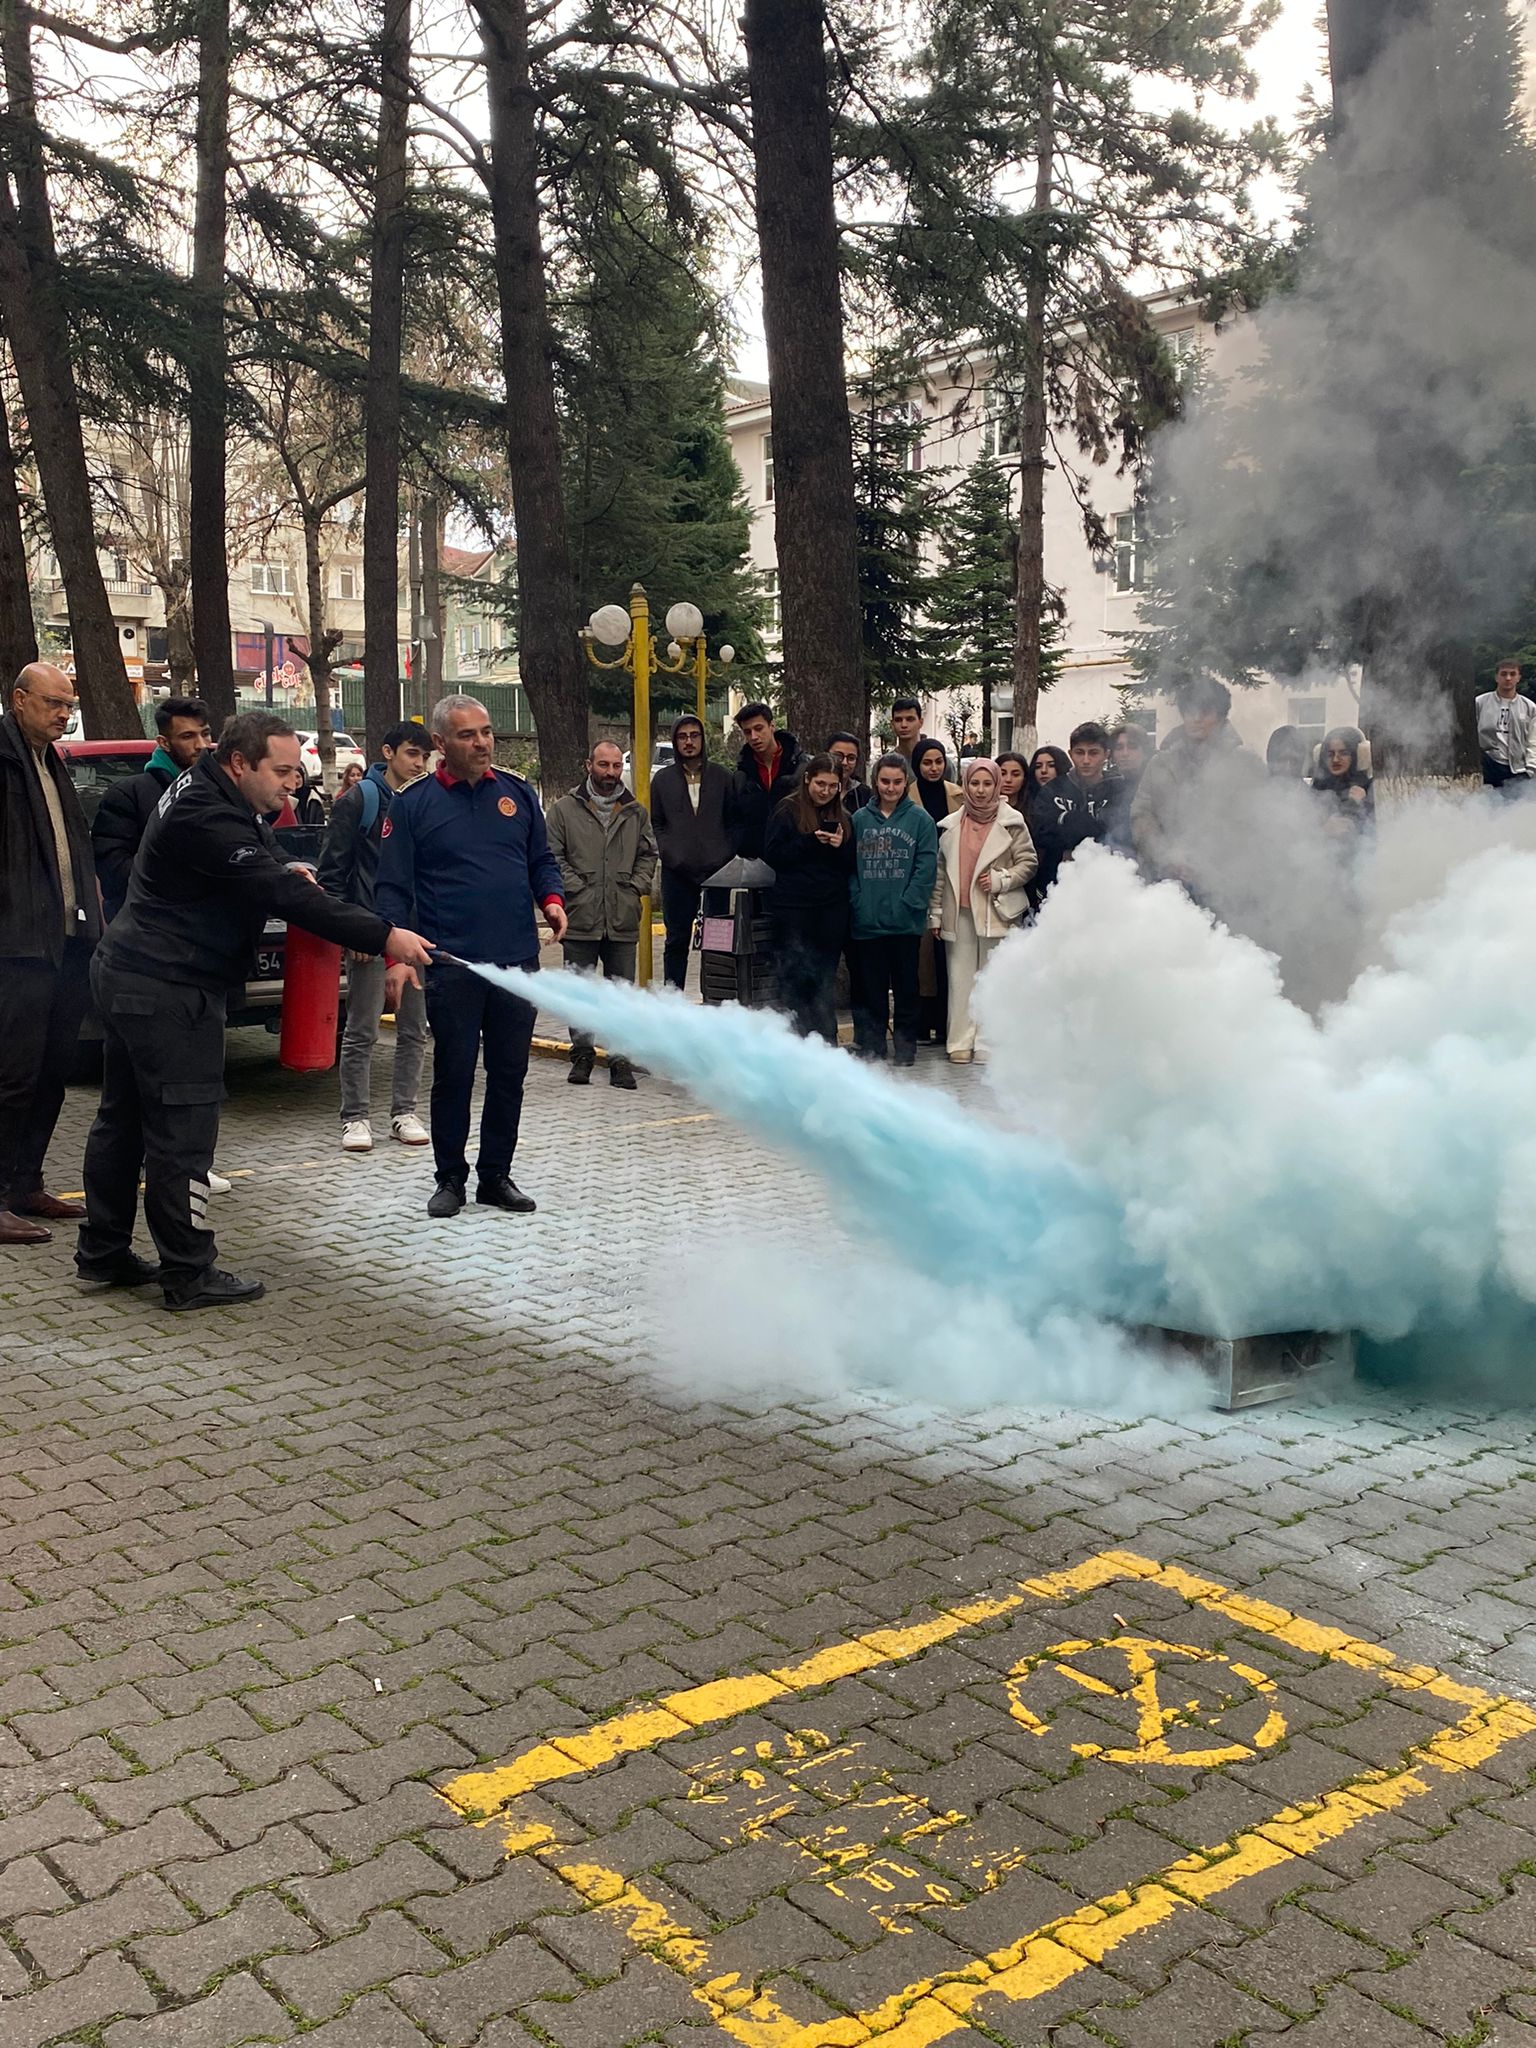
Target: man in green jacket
{"x": 896, "y": 854}
{"x": 603, "y": 841}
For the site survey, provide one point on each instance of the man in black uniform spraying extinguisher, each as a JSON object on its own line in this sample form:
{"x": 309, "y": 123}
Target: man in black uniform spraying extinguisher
{"x": 207, "y": 876}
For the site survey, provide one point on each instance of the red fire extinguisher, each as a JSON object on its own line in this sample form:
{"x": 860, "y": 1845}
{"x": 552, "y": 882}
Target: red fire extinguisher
{"x": 311, "y": 1002}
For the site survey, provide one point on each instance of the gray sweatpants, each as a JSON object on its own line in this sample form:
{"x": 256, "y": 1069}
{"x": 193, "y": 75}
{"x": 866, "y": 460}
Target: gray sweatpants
{"x": 365, "y": 1008}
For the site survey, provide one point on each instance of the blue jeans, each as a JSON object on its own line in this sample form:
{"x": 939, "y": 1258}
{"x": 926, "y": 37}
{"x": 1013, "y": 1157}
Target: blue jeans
{"x": 465, "y": 1012}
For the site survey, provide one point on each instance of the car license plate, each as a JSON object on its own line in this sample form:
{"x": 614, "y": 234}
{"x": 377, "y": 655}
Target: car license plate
{"x": 269, "y": 963}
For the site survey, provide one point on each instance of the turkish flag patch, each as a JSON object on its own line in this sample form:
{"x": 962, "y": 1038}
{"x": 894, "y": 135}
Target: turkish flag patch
{"x": 385, "y": 829}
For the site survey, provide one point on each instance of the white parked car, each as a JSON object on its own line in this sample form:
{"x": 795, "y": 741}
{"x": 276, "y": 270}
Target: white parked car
{"x": 347, "y": 750}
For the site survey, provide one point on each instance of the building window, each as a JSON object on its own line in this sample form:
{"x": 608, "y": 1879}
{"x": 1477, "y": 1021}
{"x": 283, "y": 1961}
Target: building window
{"x": 271, "y": 579}
{"x": 912, "y": 447}
{"x": 346, "y": 584}
{"x": 467, "y": 640}
{"x": 999, "y": 422}
{"x": 772, "y": 620}
{"x": 1310, "y": 716}
{"x": 1128, "y": 563}
{"x": 767, "y": 469}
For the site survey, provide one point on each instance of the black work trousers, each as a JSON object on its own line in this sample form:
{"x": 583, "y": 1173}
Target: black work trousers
{"x": 807, "y": 944}
{"x": 465, "y": 1012}
{"x": 886, "y": 996}
{"x": 41, "y": 1010}
{"x": 679, "y": 908}
{"x": 162, "y": 1082}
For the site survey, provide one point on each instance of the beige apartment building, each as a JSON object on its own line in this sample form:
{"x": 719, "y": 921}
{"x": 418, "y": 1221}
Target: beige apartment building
{"x": 960, "y": 421}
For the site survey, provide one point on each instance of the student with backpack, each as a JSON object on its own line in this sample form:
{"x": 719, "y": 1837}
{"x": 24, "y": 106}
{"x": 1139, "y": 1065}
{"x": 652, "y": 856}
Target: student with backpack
{"x": 349, "y": 867}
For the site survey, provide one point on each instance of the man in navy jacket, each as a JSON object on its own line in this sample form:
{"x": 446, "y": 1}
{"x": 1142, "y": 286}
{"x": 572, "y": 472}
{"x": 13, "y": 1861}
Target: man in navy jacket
{"x": 467, "y": 846}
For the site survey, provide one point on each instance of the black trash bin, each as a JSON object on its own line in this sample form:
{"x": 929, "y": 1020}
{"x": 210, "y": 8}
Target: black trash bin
{"x": 735, "y": 954}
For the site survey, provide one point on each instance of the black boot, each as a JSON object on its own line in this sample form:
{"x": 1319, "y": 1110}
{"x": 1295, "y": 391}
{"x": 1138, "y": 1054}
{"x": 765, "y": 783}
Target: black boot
{"x": 621, "y": 1073}
{"x": 447, "y": 1199}
{"x": 583, "y": 1059}
{"x": 213, "y": 1288}
{"x": 905, "y": 1054}
{"x": 503, "y": 1192}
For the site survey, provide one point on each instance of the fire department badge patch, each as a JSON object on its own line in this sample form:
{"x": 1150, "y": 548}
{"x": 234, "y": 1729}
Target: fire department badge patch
{"x": 507, "y": 807}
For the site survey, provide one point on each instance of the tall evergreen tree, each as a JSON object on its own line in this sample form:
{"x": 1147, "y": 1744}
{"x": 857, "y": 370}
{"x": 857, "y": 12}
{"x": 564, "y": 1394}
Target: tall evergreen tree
{"x": 654, "y": 494}
{"x": 967, "y": 638}
{"x": 1091, "y": 110}
{"x": 894, "y": 501}
{"x": 814, "y": 518}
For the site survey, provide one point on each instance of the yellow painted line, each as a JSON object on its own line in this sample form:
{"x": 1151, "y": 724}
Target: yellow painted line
{"x": 1311, "y": 1637}
{"x": 932, "y": 2009}
{"x": 483, "y": 1793}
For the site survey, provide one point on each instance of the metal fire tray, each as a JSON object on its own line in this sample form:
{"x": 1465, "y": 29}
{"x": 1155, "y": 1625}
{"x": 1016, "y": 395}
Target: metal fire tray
{"x": 1249, "y": 1371}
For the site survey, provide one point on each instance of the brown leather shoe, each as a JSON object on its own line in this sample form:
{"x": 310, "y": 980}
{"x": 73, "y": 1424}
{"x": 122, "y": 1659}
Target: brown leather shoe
{"x": 44, "y": 1204}
{"x": 16, "y": 1229}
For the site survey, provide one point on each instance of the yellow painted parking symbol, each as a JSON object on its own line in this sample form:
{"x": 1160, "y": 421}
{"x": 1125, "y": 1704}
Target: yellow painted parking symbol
{"x": 1165, "y": 1734}
{"x": 828, "y": 1806}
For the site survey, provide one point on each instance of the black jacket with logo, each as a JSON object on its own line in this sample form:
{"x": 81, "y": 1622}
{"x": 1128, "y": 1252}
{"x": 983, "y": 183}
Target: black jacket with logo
{"x": 208, "y": 876}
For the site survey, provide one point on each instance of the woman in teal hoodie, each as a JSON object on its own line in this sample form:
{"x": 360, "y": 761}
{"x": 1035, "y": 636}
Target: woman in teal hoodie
{"x": 896, "y": 852}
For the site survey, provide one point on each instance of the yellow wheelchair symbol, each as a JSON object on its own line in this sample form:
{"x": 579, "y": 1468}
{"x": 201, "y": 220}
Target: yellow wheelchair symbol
{"x": 1136, "y": 1666}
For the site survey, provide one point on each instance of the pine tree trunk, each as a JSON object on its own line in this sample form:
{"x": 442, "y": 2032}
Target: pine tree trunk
{"x": 381, "y": 404}
{"x": 180, "y": 652}
{"x": 18, "y": 638}
{"x": 318, "y": 659}
{"x": 38, "y": 331}
{"x": 815, "y": 522}
{"x": 431, "y": 517}
{"x": 1029, "y": 587}
{"x": 551, "y": 663}
{"x": 208, "y": 371}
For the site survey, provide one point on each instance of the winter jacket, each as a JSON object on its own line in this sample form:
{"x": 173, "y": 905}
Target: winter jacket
{"x": 1193, "y": 806}
{"x": 349, "y": 860}
{"x": 31, "y": 900}
{"x": 895, "y": 864}
{"x": 856, "y": 795}
{"x": 1078, "y": 812}
{"x": 755, "y": 804}
{"x": 807, "y": 874}
{"x": 1007, "y": 854}
{"x": 1522, "y": 730}
{"x": 469, "y": 860}
{"x": 605, "y": 871}
{"x": 694, "y": 843}
{"x": 207, "y": 878}
{"x": 121, "y": 819}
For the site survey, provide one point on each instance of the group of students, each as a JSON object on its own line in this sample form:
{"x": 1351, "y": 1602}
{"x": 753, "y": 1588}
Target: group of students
{"x": 914, "y": 879}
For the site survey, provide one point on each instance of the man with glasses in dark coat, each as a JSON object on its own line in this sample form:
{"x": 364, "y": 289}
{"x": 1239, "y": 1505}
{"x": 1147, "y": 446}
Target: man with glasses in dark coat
{"x": 50, "y": 919}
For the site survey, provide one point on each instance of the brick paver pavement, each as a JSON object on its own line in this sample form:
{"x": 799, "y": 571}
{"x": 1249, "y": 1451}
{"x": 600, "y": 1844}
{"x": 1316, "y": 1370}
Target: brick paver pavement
{"x": 395, "y": 1663}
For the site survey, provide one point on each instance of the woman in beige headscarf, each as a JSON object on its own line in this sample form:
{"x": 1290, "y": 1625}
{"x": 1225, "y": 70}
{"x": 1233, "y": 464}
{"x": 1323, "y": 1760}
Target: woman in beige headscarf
{"x": 986, "y": 859}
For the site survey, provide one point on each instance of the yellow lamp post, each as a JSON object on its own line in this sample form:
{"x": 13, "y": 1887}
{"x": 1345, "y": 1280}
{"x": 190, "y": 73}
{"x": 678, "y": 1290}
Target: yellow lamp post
{"x": 630, "y": 632}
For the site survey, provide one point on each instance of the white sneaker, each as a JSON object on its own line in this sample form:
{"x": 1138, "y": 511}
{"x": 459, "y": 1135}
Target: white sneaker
{"x": 357, "y": 1136}
{"x": 218, "y": 1185}
{"x": 410, "y": 1129}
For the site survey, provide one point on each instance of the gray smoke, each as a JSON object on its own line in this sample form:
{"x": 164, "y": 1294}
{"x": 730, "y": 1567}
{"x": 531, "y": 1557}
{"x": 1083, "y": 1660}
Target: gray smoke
{"x": 1352, "y": 496}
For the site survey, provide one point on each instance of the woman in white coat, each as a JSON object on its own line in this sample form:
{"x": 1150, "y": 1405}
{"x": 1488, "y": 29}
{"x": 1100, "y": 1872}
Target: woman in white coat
{"x": 986, "y": 859}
